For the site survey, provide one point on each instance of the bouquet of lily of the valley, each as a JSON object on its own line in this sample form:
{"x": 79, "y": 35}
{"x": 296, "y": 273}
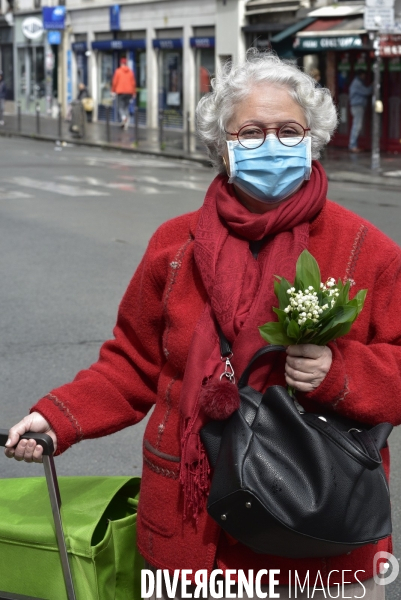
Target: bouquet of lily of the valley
{"x": 309, "y": 311}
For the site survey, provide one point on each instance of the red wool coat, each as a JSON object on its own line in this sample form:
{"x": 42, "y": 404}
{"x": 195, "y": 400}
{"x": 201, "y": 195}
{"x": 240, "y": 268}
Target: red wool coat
{"x": 144, "y": 365}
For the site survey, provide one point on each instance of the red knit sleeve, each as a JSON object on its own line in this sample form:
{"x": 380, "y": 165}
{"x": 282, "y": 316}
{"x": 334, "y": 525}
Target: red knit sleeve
{"x": 120, "y": 388}
{"x": 364, "y": 380}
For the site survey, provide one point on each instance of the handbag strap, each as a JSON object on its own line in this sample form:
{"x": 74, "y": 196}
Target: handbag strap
{"x": 225, "y": 351}
{"x": 261, "y": 352}
{"x": 368, "y": 455}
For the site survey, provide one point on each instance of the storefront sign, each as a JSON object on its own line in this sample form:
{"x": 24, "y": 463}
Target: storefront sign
{"x": 79, "y": 47}
{"x": 53, "y": 17}
{"x": 390, "y": 45}
{"x": 119, "y": 45}
{"x": 202, "y": 42}
{"x": 319, "y": 44}
{"x": 32, "y": 28}
{"x": 115, "y": 17}
{"x": 378, "y": 18}
{"x": 69, "y": 76}
{"x": 54, "y": 38}
{"x": 173, "y": 44}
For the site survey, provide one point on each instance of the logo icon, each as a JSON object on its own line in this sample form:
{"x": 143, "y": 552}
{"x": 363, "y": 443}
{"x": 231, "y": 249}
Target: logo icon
{"x": 385, "y": 568}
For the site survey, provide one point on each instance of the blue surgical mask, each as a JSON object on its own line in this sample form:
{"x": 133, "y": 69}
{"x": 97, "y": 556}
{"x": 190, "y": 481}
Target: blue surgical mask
{"x": 271, "y": 172}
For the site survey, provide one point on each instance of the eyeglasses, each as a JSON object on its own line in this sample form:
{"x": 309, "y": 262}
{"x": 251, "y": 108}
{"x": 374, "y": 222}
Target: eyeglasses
{"x": 253, "y": 136}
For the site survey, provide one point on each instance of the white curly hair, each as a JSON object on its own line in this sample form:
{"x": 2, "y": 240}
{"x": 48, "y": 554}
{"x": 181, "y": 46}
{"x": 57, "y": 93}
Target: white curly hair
{"x": 234, "y": 83}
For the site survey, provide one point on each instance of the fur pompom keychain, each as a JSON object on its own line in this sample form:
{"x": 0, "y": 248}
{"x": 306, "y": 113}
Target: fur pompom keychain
{"x": 219, "y": 399}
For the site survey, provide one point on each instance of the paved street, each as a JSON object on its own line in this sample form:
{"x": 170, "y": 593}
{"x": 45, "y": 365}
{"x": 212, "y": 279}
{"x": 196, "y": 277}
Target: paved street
{"x": 74, "y": 223}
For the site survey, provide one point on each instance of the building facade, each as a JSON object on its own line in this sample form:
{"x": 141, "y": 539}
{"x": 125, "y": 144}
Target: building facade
{"x": 175, "y": 47}
{"x": 171, "y": 45}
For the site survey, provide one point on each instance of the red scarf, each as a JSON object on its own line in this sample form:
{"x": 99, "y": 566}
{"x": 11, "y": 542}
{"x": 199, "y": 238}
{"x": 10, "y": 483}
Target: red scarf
{"x": 240, "y": 297}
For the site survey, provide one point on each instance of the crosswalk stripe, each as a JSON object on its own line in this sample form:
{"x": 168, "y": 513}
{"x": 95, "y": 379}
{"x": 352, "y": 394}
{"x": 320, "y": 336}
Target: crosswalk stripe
{"x": 56, "y": 188}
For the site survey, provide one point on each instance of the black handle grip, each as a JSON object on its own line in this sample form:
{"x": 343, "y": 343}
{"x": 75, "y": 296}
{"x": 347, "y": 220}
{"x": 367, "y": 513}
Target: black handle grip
{"x": 261, "y": 352}
{"x": 42, "y": 439}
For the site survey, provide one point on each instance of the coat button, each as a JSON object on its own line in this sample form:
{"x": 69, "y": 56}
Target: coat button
{"x": 223, "y": 517}
{"x": 248, "y": 504}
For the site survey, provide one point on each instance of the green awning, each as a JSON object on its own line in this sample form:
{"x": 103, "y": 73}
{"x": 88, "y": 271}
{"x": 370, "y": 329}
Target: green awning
{"x": 279, "y": 37}
{"x": 323, "y": 43}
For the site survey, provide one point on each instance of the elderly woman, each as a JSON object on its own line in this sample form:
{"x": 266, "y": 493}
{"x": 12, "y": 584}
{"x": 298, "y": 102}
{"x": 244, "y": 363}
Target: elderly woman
{"x": 264, "y": 125}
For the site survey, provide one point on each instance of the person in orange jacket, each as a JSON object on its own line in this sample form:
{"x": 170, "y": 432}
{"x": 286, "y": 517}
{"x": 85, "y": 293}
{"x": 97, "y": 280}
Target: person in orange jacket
{"x": 124, "y": 85}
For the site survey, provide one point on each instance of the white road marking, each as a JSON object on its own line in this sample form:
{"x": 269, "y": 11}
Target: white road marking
{"x": 143, "y": 162}
{"x": 12, "y": 194}
{"x": 56, "y": 188}
{"x": 191, "y": 185}
{"x": 392, "y": 174}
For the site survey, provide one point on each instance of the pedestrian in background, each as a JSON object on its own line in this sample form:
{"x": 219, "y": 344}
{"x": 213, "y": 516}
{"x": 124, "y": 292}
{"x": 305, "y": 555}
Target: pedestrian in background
{"x": 124, "y": 85}
{"x": 2, "y": 97}
{"x": 87, "y": 101}
{"x": 359, "y": 93}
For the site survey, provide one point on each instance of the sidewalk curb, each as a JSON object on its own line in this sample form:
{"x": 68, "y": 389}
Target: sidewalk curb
{"x": 364, "y": 178}
{"x": 337, "y": 176}
{"x": 106, "y": 146}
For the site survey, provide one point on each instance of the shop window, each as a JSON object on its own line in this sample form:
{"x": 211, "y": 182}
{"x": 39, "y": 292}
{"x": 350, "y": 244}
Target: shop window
{"x": 170, "y": 91}
{"x": 343, "y": 83}
{"x": 394, "y": 98}
{"x": 141, "y": 79}
{"x": 105, "y": 77}
{"x": 205, "y": 69}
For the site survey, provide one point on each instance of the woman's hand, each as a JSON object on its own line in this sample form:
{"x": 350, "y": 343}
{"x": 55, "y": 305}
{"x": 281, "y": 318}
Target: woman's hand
{"x": 307, "y": 365}
{"x": 28, "y": 450}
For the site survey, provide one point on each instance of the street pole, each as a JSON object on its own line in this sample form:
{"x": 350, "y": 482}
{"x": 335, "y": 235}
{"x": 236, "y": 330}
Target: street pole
{"x": 19, "y": 115}
{"x": 376, "y": 106}
{"x": 188, "y": 130}
{"x": 60, "y": 124}
{"x": 37, "y": 118}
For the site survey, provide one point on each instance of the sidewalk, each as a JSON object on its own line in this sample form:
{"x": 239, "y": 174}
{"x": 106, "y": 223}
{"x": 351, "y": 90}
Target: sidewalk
{"x": 174, "y": 145}
{"x": 340, "y": 165}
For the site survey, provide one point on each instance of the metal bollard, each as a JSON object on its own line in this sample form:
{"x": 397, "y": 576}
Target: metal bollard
{"x": 37, "y": 118}
{"x": 188, "y": 132}
{"x": 60, "y": 122}
{"x": 19, "y": 116}
{"x": 83, "y": 121}
{"x": 108, "y": 108}
{"x": 136, "y": 125}
{"x": 161, "y": 130}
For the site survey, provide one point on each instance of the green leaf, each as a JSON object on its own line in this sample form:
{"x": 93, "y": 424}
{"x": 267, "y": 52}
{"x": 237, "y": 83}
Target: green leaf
{"x": 274, "y": 334}
{"x": 343, "y": 298}
{"x": 282, "y": 316}
{"x": 283, "y": 297}
{"x": 342, "y": 314}
{"x": 307, "y": 272}
{"x": 293, "y": 330}
{"x": 360, "y": 298}
{"x": 334, "y": 333}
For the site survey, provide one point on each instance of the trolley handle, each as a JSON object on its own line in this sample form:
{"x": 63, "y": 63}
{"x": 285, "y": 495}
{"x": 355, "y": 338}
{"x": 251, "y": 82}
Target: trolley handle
{"x": 46, "y": 442}
{"x": 42, "y": 439}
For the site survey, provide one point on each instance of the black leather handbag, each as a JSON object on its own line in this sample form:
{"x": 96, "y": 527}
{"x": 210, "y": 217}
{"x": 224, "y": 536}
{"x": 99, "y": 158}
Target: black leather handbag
{"x": 296, "y": 484}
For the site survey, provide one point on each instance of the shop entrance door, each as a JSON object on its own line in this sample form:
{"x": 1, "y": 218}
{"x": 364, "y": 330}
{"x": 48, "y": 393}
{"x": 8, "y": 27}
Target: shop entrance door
{"x": 170, "y": 87}
{"x": 348, "y": 63}
{"x": 7, "y": 66}
{"x": 32, "y": 81}
{"x": 390, "y": 120}
{"x": 392, "y": 106}
{"x": 109, "y": 61}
